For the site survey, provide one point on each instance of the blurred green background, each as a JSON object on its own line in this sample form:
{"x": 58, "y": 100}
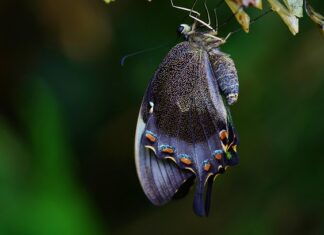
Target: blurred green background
{"x": 68, "y": 112}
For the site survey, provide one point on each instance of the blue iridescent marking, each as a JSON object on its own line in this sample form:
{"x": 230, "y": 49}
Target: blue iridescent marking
{"x": 218, "y": 151}
{"x": 183, "y": 155}
{"x": 185, "y": 159}
{"x": 164, "y": 147}
{"x": 150, "y": 133}
{"x": 217, "y": 154}
{"x": 150, "y": 136}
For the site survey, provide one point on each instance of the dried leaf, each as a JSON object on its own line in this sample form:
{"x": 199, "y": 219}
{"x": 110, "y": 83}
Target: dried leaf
{"x": 295, "y": 7}
{"x": 289, "y": 18}
{"x": 241, "y": 16}
{"x": 315, "y": 17}
{"x": 247, "y": 3}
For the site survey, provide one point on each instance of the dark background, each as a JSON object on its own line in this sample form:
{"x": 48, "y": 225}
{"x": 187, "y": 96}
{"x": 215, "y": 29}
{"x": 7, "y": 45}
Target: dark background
{"x": 68, "y": 113}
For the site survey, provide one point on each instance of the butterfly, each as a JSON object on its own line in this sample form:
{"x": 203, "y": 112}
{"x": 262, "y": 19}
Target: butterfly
{"x": 185, "y": 132}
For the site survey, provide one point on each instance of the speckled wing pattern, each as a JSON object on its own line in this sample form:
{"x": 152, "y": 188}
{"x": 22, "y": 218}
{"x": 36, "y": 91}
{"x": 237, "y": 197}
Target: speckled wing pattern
{"x": 184, "y": 128}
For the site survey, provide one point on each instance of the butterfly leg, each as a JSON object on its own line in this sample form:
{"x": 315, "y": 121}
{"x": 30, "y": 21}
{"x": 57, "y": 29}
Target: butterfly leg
{"x": 216, "y": 20}
{"x": 206, "y": 7}
{"x": 185, "y": 9}
{"x": 202, "y": 22}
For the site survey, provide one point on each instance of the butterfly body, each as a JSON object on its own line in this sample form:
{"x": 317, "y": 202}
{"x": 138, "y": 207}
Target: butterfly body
{"x": 184, "y": 127}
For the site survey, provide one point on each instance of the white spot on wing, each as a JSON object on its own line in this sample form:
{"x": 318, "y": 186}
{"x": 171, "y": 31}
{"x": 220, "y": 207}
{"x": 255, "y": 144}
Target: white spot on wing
{"x": 140, "y": 127}
{"x": 152, "y": 107}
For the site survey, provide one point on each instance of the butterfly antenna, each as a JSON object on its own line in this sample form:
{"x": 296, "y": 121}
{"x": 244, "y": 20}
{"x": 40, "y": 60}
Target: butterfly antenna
{"x": 260, "y": 16}
{"x": 191, "y": 11}
{"x": 206, "y": 8}
{"x": 231, "y": 17}
{"x": 122, "y": 61}
{"x": 254, "y": 20}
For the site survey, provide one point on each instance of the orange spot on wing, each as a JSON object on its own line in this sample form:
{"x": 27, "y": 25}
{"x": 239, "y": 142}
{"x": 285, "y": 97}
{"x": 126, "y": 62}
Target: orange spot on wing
{"x": 168, "y": 150}
{"x": 218, "y": 156}
{"x": 207, "y": 166}
{"x": 150, "y": 137}
{"x": 186, "y": 161}
{"x": 223, "y": 135}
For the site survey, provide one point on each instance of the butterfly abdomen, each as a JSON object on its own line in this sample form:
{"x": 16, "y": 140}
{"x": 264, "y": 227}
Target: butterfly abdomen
{"x": 226, "y": 74}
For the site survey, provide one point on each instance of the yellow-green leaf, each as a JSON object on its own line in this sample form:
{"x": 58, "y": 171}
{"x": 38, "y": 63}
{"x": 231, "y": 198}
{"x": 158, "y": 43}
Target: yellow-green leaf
{"x": 289, "y": 18}
{"x": 295, "y": 7}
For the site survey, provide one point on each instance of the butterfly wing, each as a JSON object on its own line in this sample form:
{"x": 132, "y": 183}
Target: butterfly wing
{"x": 160, "y": 178}
{"x": 184, "y": 129}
